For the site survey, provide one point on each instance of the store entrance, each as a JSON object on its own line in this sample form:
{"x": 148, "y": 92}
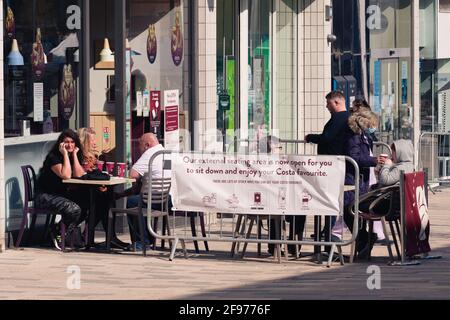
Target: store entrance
{"x": 390, "y": 100}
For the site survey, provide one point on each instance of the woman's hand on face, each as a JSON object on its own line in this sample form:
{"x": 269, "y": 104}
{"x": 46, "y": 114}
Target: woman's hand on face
{"x": 75, "y": 151}
{"x": 62, "y": 149}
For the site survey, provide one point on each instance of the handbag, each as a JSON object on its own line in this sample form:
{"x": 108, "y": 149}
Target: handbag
{"x": 95, "y": 174}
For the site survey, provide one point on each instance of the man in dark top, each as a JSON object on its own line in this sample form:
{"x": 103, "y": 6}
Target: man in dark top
{"x": 332, "y": 140}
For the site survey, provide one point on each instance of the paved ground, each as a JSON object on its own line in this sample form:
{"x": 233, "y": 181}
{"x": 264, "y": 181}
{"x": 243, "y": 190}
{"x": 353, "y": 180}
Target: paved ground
{"x": 35, "y": 273}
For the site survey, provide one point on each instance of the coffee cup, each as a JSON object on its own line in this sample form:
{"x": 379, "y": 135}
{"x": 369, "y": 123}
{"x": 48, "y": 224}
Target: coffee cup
{"x": 121, "y": 169}
{"x": 110, "y": 167}
{"x": 100, "y": 165}
{"x": 384, "y": 155}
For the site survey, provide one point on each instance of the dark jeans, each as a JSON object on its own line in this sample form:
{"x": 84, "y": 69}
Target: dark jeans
{"x": 103, "y": 202}
{"x": 133, "y": 222}
{"x": 70, "y": 211}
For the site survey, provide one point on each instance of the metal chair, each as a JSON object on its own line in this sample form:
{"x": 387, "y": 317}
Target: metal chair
{"x": 159, "y": 195}
{"x": 29, "y": 179}
{"x": 192, "y": 216}
{"x": 379, "y": 205}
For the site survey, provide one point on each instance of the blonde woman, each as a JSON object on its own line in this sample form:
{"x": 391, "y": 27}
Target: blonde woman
{"x": 104, "y": 195}
{"x": 90, "y": 153}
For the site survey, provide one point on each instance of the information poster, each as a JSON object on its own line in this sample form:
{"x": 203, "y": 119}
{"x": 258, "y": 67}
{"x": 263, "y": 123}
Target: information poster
{"x": 377, "y": 87}
{"x": 171, "y": 125}
{"x": 38, "y": 101}
{"x": 256, "y": 184}
{"x": 155, "y": 112}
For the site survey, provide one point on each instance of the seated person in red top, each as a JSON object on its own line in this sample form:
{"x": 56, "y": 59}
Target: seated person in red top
{"x": 62, "y": 162}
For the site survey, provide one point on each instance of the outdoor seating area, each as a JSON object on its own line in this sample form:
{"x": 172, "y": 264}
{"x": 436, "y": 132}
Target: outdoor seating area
{"x": 378, "y": 205}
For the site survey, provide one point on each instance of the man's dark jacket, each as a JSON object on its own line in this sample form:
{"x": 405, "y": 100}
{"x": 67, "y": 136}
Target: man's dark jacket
{"x": 333, "y": 138}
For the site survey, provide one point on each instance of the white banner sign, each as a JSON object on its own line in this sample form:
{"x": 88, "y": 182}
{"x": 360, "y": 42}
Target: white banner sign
{"x": 258, "y": 184}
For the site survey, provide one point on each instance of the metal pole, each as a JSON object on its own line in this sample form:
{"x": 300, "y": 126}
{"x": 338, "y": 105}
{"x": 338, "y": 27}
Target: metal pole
{"x": 402, "y": 214}
{"x": 237, "y": 68}
{"x": 85, "y": 110}
{"x": 120, "y": 85}
{"x": 192, "y": 16}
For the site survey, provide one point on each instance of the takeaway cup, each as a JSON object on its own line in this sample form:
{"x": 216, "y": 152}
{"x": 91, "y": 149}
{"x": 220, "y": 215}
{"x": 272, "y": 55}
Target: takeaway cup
{"x": 110, "y": 167}
{"x": 121, "y": 169}
{"x": 100, "y": 165}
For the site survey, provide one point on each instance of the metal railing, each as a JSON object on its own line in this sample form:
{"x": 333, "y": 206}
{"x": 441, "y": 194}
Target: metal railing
{"x": 434, "y": 156}
{"x": 231, "y": 227}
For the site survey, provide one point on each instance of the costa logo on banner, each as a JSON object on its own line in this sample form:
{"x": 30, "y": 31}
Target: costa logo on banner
{"x": 416, "y": 214}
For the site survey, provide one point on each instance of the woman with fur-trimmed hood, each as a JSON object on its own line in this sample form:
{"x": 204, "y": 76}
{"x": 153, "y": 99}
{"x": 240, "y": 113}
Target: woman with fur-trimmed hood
{"x": 358, "y": 146}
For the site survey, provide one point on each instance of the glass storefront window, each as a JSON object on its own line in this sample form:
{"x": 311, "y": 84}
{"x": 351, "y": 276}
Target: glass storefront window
{"x": 259, "y": 65}
{"x": 285, "y": 86}
{"x": 226, "y": 64}
{"x": 41, "y": 65}
{"x": 158, "y": 36}
{"x": 389, "y": 24}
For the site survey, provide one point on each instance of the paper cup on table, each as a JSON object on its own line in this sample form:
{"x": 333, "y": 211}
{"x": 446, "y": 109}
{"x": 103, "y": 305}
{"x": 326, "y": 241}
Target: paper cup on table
{"x": 121, "y": 169}
{"x": 100, "y": 165}
{"x": 110, "y": 167}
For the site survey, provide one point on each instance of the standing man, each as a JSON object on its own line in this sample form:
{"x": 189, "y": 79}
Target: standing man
{"x": 331, "y": 141}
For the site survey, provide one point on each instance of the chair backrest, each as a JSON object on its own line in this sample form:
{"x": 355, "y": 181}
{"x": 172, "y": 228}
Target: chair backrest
{"x": 378, "y": 202}
{"x": 159, "y": 192}
{"x": 29, "y": 181}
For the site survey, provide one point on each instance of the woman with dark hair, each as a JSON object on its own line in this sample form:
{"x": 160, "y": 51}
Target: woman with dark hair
{"x": 360, "y": 104}
{"x": 64, "y": 161}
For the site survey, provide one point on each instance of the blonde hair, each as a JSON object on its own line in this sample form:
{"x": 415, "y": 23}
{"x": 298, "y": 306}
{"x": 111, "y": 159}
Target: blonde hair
{"x": 362, "y": 120}
{"x": 88, "y": 151}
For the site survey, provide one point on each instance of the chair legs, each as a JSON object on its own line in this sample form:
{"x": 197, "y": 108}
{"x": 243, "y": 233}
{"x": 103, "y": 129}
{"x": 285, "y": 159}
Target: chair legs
{"x": 249, "y": 232}
{"x": 388, "y": 241}
{"x": 194, "y": 232}
{"x": 397, "y": 249}
{"x": 22, "y": 229}
{"x": 236, "y": 234}
{"x": 48, "y": 219}
{"x": 202, "y": 226}
{"x": 32, "y": 225}
{"x": 142, "y": 234}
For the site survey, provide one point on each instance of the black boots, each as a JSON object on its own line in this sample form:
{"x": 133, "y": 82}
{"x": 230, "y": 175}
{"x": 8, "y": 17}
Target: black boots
{"x": 363, "y": 247}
